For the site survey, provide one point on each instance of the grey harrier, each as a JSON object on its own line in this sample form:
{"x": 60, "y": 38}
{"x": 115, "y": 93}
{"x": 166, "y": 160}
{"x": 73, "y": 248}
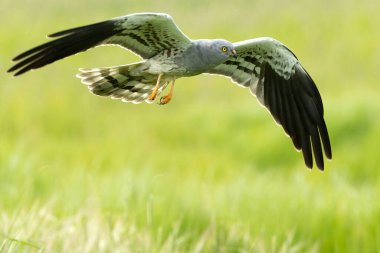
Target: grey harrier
{"x": 267, "y": 67}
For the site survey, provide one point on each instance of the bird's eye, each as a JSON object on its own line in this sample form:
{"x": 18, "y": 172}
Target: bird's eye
{"x": 224, "y": 49}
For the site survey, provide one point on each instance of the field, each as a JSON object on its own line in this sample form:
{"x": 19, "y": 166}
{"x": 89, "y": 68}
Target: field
{"x": 209, "y": 172}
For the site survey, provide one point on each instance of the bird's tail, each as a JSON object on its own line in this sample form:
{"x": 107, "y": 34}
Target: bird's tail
{"x": 128, "y": 82}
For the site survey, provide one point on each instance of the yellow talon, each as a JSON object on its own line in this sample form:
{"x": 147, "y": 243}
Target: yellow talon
{"x": 166, "y": 99}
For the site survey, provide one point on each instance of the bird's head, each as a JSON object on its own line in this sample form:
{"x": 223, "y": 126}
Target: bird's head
{"x": 206, "y": 54}
{"x": 224, "y": 48}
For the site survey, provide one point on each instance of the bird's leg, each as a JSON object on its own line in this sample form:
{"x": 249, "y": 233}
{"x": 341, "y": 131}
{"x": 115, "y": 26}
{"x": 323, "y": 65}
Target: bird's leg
{"x": 154, "y": 92}
{"x": 166, "y": 99}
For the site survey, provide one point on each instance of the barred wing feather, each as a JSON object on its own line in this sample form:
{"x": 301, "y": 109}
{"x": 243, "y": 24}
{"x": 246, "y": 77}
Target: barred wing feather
{"x": 276, "y": 77}
{"x": 145, "y": 34}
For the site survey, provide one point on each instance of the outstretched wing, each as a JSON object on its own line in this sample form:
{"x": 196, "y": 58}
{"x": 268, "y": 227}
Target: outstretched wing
{"x": 146, "y": 34}
{"x": 276, "y": 77}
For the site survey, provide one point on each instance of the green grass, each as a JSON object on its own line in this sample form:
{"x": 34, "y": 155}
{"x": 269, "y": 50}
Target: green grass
{"x": 210, "y": 172}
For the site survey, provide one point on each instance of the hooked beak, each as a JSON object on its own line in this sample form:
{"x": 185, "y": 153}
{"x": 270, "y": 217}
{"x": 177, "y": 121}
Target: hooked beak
{"x": 234, "y": 53}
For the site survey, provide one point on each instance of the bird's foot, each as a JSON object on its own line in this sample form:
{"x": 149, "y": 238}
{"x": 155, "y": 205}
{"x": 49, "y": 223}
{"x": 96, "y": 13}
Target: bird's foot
{"x": 165, "y": 99}
{"x": 153, "y": 95}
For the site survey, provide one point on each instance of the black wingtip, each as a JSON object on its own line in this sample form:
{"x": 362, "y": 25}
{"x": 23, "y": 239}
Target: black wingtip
{"x": 59, "y": 34}
{"x": 18, "y": 57}
{"x": 296, "y": 104}
{"x": 16, "y": 73}
{"x": 328, "y": 152}
{"x": 20, "y": 72}
{"x": 79, "y": 28}
{"x": 68, "y": 42}
{"x": 308, "y": 159}
{"x": 10, "y": 70}
{"x": 320, "y": 163}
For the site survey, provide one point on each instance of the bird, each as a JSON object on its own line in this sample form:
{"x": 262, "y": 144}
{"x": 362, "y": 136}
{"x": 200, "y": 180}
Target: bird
{"x": 268, "y": 68}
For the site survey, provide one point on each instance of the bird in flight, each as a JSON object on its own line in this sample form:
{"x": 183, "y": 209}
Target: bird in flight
{"x": 264, "y": 65}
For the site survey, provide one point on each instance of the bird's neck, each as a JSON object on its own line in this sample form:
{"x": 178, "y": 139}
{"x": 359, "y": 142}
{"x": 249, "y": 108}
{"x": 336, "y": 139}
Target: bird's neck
{"x": 201, "y": 57}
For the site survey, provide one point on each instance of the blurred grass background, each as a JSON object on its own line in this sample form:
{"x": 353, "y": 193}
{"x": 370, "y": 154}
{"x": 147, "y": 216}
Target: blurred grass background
{"x": 210, "y": 172}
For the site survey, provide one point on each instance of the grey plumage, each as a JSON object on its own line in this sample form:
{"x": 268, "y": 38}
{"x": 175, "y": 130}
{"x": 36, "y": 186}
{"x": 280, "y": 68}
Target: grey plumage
{"x": 265, "y": 66}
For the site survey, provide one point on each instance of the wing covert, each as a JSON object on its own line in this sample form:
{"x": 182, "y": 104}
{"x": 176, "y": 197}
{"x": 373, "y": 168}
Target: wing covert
{"x": 148, "y": 34}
